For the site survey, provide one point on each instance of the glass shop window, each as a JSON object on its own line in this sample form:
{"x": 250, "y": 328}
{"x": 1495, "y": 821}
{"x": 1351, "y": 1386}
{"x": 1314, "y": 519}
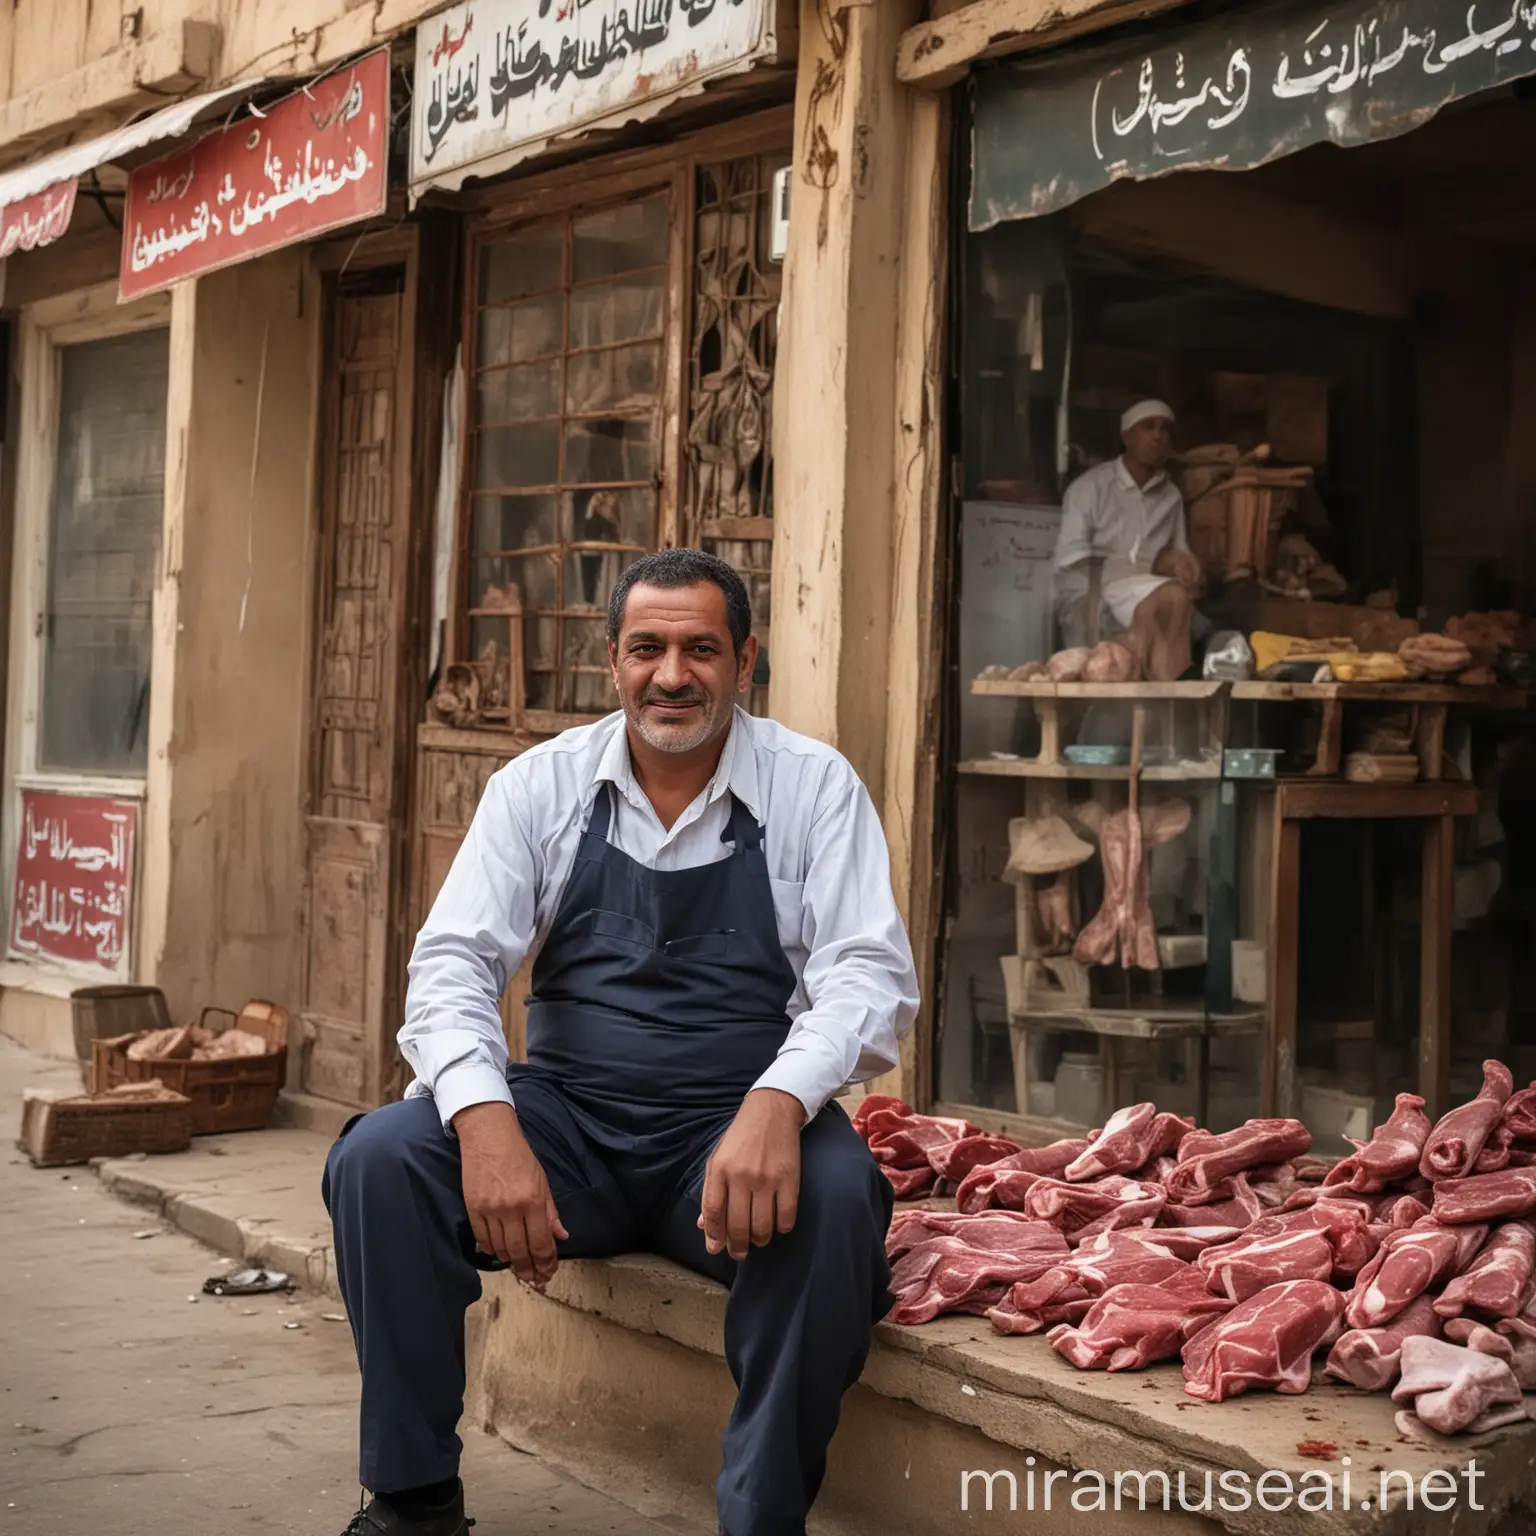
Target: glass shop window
{"x": 568, "y": 373}
{"x": 103, "y": 547}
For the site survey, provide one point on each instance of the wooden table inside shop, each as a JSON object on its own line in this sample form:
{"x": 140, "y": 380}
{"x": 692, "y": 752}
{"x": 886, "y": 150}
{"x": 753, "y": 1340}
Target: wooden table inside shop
{"x": 1435, "y": 800}
{"x": 1053, "y": 703}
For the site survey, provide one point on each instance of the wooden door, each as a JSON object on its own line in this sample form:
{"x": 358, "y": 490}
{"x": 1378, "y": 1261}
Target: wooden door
{"x": 354, "y": 821}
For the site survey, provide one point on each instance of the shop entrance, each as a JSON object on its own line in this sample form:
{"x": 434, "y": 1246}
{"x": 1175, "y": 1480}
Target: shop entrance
{"x": 1363, "y": 315}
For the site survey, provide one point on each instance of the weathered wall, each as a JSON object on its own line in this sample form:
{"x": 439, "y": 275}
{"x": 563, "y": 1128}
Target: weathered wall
{"x": 835, "y": 390}
{"x": 63, "y": 63}
{"x": 235, "y": 608}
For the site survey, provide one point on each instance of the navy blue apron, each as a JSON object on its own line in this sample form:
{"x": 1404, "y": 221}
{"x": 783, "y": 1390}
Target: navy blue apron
{"x": 660, "y": 996}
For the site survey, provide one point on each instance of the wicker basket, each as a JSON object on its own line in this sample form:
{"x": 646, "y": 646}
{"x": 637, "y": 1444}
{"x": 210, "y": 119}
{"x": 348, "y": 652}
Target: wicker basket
{"x": 57, "y": 1132}
{"x": 235, "y": 1095}
{"x": 99, "y": 1013}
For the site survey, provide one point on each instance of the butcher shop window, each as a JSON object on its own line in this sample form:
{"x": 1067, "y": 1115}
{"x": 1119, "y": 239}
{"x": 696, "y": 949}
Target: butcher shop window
{"x": 568, "y": 345}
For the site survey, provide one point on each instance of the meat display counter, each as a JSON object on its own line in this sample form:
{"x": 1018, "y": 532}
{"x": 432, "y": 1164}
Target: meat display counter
{"x": 1111, "y": 992}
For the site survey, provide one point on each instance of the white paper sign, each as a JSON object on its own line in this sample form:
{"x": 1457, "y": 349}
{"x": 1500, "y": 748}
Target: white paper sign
{"x": 496, "y": 80}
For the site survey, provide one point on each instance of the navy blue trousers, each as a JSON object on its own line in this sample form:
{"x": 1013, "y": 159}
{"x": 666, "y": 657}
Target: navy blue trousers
{"x": 797, "y": 1324}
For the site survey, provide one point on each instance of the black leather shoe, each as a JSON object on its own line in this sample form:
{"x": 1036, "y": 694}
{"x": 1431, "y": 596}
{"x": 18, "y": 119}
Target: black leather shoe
{"x": 381, "y": 1518}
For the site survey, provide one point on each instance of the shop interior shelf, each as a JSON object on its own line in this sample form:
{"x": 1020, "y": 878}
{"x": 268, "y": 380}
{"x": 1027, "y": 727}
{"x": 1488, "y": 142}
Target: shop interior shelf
{"x": 1383, "y": 693}
{"x": 1029, "y": 768}
{"x": 1143, "y": 1023}
{"x": 1043, "y": 688}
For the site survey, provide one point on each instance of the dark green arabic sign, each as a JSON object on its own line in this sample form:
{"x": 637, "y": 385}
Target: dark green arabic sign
{"x": 1231, "y": 92}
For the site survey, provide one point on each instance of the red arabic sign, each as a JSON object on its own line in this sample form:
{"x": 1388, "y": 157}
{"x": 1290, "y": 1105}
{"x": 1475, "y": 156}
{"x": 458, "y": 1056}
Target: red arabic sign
{"x": 74, "y": 876}
{"x": 37, "y": 220}
{"x": 315, "y": 161}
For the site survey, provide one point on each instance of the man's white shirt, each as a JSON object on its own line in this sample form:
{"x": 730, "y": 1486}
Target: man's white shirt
{"x": 856, "y": 987}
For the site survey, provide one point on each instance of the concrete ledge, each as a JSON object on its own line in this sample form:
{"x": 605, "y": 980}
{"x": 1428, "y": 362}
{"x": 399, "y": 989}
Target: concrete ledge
{"x": 254, "y": 1196}
{"x": 962, "y": 1378}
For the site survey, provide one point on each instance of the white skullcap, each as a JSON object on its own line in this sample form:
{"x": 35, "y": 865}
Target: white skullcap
{"x": 1144, "y": 410}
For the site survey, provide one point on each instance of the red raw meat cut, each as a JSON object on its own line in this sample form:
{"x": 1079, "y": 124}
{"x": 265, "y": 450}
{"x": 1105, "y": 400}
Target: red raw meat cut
{"x": 1343, "y": 1221}
{"x": 1454, "y": 1144}
{"x": 1452, "y": 1387}
{"x": 909, "y": 1183}
{"x": 957, "y": 1158}
{"x": 1495, "y": 1282}
{"x": 1252, "y": 1264}
{"x": 995, "y": 1231}
{"x": 1131, "y": 1137}
{"x": 1062, "y": 1294}
{"x": 1132, "y": 1326}
{"x": 1186, "y": 1243}
{"x": 1520, "y": 1330}
{"x": 1407, "y": 1265}
{"x": 1368, "y": 1357}
{"x": 1007, "y": 1181}
{"x": 1267, "y": 1341}
{"x": 1156, "y": 1170}
{"x": 1519, "y": 1117}
{"x": 1205, "y": 1160}
{"x": 1058, "y": 1296}
{"x": 1400, "y": 1211}
{"x": 1486, "y": 1196}
{"x": 1480, "y": 1338}
{"x": 944, "y": 1274}
{"x": 880, "y": 1104}
{"x": 1234, "y": 1205}
{"x": 1391, "y": 1154}
{"x": 1123, "y": 926}
{"x": 1082, "y": 1208}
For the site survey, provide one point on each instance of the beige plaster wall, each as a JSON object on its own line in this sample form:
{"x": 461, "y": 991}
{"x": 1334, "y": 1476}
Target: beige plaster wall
{"x": 224, "y": 882}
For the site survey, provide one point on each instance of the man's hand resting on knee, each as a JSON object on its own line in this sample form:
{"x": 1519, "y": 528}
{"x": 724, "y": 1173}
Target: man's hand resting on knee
{"x": 510, "y": 1207}
{"x": 752, "y": 1183}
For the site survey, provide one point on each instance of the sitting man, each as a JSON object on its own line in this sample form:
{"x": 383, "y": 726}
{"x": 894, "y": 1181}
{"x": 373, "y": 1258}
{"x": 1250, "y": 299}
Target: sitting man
{"x": 718, "y": 952}
{"x": 1128, "y": 516}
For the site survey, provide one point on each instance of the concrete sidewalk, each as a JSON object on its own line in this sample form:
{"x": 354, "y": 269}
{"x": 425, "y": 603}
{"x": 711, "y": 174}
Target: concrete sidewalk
{"x": 137, "y": 1406}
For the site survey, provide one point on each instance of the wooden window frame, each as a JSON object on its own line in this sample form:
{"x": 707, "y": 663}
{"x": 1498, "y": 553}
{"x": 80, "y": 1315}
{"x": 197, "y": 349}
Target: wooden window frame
{"x": 496, "y": 211}
{"x": 45, "y": 329}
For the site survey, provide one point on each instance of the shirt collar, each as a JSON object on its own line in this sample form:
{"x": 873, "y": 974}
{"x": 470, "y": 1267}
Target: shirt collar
{"x": 736, "y": 773}
{"x": 1128, "y": 480}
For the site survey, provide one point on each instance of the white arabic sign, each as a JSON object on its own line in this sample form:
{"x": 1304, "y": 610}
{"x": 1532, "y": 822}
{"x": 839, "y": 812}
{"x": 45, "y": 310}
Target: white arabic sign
{"x": 74, "y": 878}
{"x": 497, "y": 80}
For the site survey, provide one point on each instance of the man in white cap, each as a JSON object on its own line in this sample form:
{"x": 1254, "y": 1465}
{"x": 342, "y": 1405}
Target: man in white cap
{"x": 1128, "y": 516}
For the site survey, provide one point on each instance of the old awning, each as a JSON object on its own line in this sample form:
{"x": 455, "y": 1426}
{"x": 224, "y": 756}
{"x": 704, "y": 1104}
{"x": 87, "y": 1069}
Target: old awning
{"x": 1230, "y": 92}
{"x": 38, "y": 198}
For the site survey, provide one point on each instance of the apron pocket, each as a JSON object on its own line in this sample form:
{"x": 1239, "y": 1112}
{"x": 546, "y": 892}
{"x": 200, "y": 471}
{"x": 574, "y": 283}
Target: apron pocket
{"x": 619, "y": 925}
{"x": 703, "y": 946}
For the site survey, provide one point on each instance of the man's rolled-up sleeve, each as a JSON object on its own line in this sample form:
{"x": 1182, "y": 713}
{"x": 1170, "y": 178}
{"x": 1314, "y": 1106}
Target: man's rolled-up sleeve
{"x": 859, "y": 981}
{"x": 479, "y": 930}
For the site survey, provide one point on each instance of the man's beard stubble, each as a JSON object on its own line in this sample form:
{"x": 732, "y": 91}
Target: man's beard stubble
{"x": 675, "y": 739}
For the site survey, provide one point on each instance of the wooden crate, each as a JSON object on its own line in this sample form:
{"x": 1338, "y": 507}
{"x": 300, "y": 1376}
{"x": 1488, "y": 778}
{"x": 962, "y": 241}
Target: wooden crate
{"x": 59, "y": 1131}
{"x": 235, "y": 1095}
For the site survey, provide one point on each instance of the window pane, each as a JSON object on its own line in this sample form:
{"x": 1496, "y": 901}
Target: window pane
{"x": 512, "y": 522}
{"x": 513, "y": 394}
{"x": 615, "y": 517}
{"x": 598, "y": 451}
{"x": 589, "y": 680}
{"x": 591, "y": 573}
{"x": 513, "y": 456}
{"x": 523, "y": 331}
{"x": 627, "y": 310}
{"x": 620, "y": 239}
{"x": 617, "y": 379}
{"x": 104, "y": 542}
{"x": 531, "y": 261}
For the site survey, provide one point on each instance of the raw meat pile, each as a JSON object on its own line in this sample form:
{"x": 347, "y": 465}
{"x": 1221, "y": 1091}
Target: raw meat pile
{"x": 1412, "y": 1261}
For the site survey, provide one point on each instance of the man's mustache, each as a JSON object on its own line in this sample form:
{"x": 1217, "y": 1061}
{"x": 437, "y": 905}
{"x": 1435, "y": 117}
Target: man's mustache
{"x": 682, "y": 696}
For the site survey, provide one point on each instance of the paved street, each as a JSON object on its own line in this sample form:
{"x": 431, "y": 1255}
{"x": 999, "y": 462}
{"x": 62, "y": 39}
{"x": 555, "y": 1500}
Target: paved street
{"x": 129, "y": 1408}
